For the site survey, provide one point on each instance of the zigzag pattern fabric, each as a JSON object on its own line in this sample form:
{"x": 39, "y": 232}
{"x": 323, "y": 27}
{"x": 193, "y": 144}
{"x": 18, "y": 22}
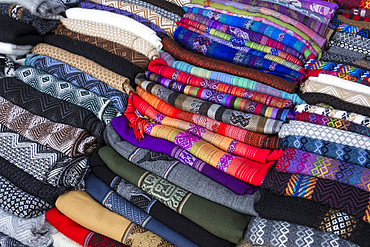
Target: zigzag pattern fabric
{"x": 342, "y": 27}
{"x": 347, "y": 77}
{"x": 7, "y": 241}
{"x": 346, "y": 198}
{"x": 78, "y": 78}
{"x": 350, "y": 41}
{"x": 58, "y": 88}
{"x": 342, "y": 59}
{"x": 302, "y": 162}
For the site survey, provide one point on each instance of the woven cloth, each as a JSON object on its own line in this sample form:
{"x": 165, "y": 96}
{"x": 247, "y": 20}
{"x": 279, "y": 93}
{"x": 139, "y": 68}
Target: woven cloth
{"x": 317, "y": 73}
{"x": 337, "y": 58}
{"x": 346, "y": 198}
{"x": 46, "y": 106}
{"x": 261, "y": 231}
{"x": 240, "y": 119}
{"x": 342, "y": 27}
{"x": 324, "y": 133}
{"x": 215, "y": 65}
{"x": 76, "y": 205}
{"x": 345, "y": 153}
{"x": 58, "y": 88}
{"x": 7, "y": 67}
{"x": 354, "y": 12}
{"x": 339, "y": 50}
{"x": 218, "y": 220}
{"x": 248, "y": 137}
{"x": 167, "y": 25}
{"x": 72, "y": 141}
{"x": 43, "y": 9}
{"x": 111, "y": 33}
{"x": 350, "y": 41}
{"x": 179, "y": 2}
{"x": 76, "y": 232}
{"x": 115, "y": 80}
{"x": 7, "y": 241}
{"x": 302, "y": 162}
{"x": 78, "y": 78}
{"x": 167, "y": 5}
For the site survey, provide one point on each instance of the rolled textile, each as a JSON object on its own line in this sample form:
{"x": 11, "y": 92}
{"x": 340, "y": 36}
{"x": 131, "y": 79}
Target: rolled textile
{"x": 248, "y": 137}
{"x": 60, "y": 240}
{"x": 103, "y": 194}
{"x": 121, "y": 127}
{"x": 240, "y": 119}
{"x": 345, "y": 153}
{"x": 217, "y": 219}
{"x": 181, "y": 54}
{"x": 167, "y": 5}
{"x": 20, "y": 13}
{"x": 44, "y": 9}
{"x": 119, "y": 21}
{"x": 46, "y": 106}
{"x": 318, "y": 73}
{"x": 91, "y": 5}
{"x": 324, "y": 133}
{"x": 78, "y": 78}
{"x": 21, "y": 33}
{"x": 48, "y": 84}
{"x": 126, "y": 53}
{"x": 356, "y": 23}
{"x": 111, "y": 33}
{"x": 72, "y": 141}
{"x": 41, "y": 162}
{"x": 154, "y": 207}
{"x": 323, "y": 167}
{"x": 115, "y": 80}
{"x": 12, "y": 49}
{"x": 167, "y": 25}
{"x": 346, "y": 198}
{"x": 312, "y": 214}
{"x": 349, "y": 60}
{"x": 77, "y": 204}
{"x": 336, "y": 113}
{"x": 7, "y": 67}
{"x": 76, "y": 232}
{"x": 95, "y": 54}
{"x": 262, "y": 231}
{"x": 342, "y": 27}
{"x": 7, "y": 241}
{"x": 31, "y": 232}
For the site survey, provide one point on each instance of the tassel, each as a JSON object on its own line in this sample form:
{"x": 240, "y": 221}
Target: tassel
{"x": 135, "y": 122}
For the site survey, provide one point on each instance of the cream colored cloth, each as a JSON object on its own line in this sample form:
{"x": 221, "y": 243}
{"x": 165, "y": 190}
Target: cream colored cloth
{"x": 99, "y": 72}
{"x": 179, "y": 2}
{"x": 84, "y": 210}
{"x": 167, "y": 25}
{"x": 113, "y": 34}
{"x": 119, "y": 21}
{"x": 61, "y": 240}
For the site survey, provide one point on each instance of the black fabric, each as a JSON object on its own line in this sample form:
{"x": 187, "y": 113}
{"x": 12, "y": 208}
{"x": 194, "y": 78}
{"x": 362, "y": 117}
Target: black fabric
{"x": 46, "y": 106}
{"x": 106, "y": 59}
{"x": 18, "y": 32}
{"x": 167, "y": 6}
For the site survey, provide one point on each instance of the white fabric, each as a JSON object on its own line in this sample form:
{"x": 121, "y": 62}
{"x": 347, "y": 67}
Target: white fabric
{"x": 119, "y": 21}
{"x": 12, "y": 49}
{"x": 61, "y": 240}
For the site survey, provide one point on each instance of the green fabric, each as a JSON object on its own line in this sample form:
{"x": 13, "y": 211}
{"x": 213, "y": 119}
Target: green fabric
{"x": 217, "y": 219}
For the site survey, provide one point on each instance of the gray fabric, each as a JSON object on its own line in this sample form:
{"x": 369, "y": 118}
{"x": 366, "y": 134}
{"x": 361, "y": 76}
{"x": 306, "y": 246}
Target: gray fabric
{"x": 182, "y": 175}
{"x": 343, "y": 59}
{"x": 350, "y": 41}
{"x": 41, "y": 8}
{"x": 281, "y": 233}
{"x": 343, "y": 51}
{"x": 6, "y": 241}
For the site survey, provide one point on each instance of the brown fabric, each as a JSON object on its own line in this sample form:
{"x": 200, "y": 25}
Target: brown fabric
{"x": 360, "y": 24}
{"x": 129, "y": 54}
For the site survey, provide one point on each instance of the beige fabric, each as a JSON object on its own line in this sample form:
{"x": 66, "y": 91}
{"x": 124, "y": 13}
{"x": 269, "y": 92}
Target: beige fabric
{"x": 83, "y": 209}
{"x": 99, "y": 72}
{"x": 167, "y": 25}
{"x": 179, "y": 2}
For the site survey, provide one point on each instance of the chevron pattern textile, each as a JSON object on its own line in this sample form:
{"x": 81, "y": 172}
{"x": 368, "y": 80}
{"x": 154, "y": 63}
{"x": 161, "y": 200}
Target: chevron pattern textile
{"x": 167, "y": 5}
{"x": 58, "y": 88}
{"x": 337, "y": 58}
{"x": 346, "y": 198}
{"x": 350, "y": 41}
{"x": 345, "y": 153}
{"x": 347, "y": 77}
{"x": 342, "y": 27}
{"x": 7, "y": 241}
{"x": 46, "y": 106}
{"x": 281, "y": 233}
{"x": 302, "y": 162}
{"x": 118, "y": 82}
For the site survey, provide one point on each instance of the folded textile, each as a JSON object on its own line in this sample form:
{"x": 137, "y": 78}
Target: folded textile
{"x": 115, "y": 80}
{"x": 349, "y": 60}
{"x": 33, "y": 232}
{"x": 72, "y": 141}
{"x": 357, "y": 23}
{"x": 76, "y": 232}
{"x": 167, "y": 25}
{"x": 111, "y": 33}
{"x": 103, "y": 194}
{"x": 342, "y": 27}
{"x": 12, "y": 49}
{"x": 337, "y": 74}
{"x": 354, "y": 53}
{"x": 167, "y": 5}
{"x": 46, "y": 106}
{"x": 7, "y": 241}
{"x": 261, "y": 231}
{"x": 78, "y": 78}
{"x": 181, "y": 54}
{"x": 77, "y": 204}
{"x": 362, "y": 12}
{"x": 324, "y": 133}
{"x": 44, "y": 9}
{"x": 217, "y": 219}
{"x": 312, "y": 214}
{"x": 119, "y": 21}
{"x": 60, "y": 240}
{"x": 154, "y": 207}
{"x": 345, "y": 153}
{"x": 324, "y": 8}
{"x": 246, "y": 136}
{"x": 346, "y": 198}
{"x": 240, "y": 119}
{"x": 355, "y": 17}
{"x": 91, "y": 5}
{"x": 7, "y": 67}
{"x": 41, "y": 162}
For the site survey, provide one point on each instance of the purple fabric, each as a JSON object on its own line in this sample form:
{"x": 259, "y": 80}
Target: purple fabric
{"x": 120, "y": 124}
